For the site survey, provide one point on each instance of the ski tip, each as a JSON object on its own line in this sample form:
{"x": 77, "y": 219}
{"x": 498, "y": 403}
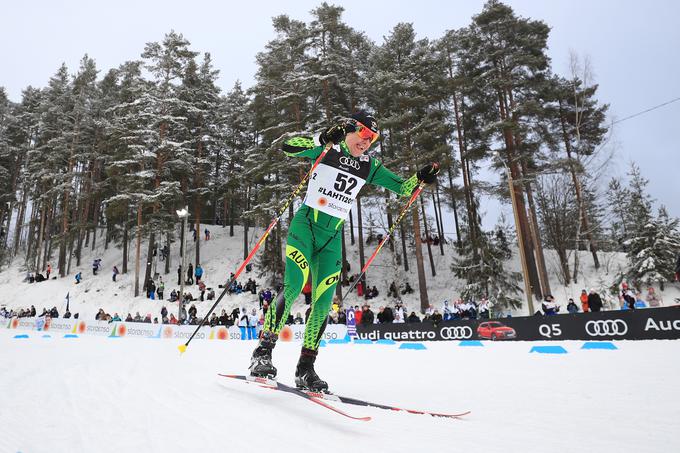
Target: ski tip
{"x": 182, "y": 349}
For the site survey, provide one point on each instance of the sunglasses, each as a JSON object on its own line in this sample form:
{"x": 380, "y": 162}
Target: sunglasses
{"x": 366, "y": 134}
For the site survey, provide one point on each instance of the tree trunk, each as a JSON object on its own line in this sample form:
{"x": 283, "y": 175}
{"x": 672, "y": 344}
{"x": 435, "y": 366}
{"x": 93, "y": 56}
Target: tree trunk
{"x": 422, "y": 283}
{"x": 427, "y": 237}
{"x": 454, "y": 208}
{"x": 535, "y": 235}
{"x": 577, "y": 189}
{"x": 166, "y": 271}
{"x": 126, "y": 228}
{"x": 437, "y": 218}
{"x": 138, "y": 253}
{"x": 351, "y": 228}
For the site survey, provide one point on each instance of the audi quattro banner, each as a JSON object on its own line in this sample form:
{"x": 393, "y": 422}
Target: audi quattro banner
{"x": 645, "y": 324}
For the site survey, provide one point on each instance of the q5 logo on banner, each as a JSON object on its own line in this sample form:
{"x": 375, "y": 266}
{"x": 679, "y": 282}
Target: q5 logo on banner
{"x": 606, "y": 327}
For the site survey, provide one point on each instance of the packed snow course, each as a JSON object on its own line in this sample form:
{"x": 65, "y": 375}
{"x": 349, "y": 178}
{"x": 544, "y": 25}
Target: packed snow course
{"x": 98, "y": 394}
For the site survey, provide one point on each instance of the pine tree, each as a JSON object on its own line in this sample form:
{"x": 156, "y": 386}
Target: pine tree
{"x": 484, "y": 272}
{"x": 653, "y": 250}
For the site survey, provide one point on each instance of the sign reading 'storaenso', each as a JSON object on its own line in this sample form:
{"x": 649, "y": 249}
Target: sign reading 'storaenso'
{"x": 336, "y": 182}
{"x": 645, "y": 324}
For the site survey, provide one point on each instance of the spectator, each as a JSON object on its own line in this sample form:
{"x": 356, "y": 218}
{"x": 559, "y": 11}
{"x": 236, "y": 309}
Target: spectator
{"x": 129, "y": 318}
{"x": 407, "y": 289}
{"x": 332, "y": 317}
{"x": 214, "y": 320}
{"x": 147, "y": 318}
{"x": 165, "y": 251}
{"x": 161, "y": 288}
{"x": 393, "y": 291}
{"x": 398, "y": 319}
{"x": 367, "y": 316}
{"x": 413, "y": 317}
{"x": 137, "y": 318}
{"x": 399, "y": 310}
{"x": 243, "y": 325}
{"x": 381, "y": 315}
{"x": 95, "y": 266}
{"x": 67, "y": 314}
{"x": 388, "y": 315}
{"x": 428, "y": 313}
{"x": 211, "y": 294}
{"x": 436, "y": 318}
{"x": 79, "y": 277}
{"x": 357, "y": 315}
{"x": 342, "y": 316}
{"x": 572, "y": 307}
{"x": 677, "y": 268}
{"x": 550, "y": 308}
{"x": 172, "y": 320}
{"x": 360, "y": 289}
{"x": 115, "y": 317}
{"x": 151, "y": 290}
{"x": 224, "y": 318}
{"x": 190, "y": 274}
{"x": 298, "y": 319}
{"x": 629, "y": 299}
{"x": 183, "y": 317}
{"x": 49, "y": 271}
{"x": 179, "y": 274}
{"x": 652, "y": 299}
{"x": 115, "y": 272}
{"x": 192, "y": 311}
{"x": 198, "y": 273}
{"x": 201, "y": 288}
{"x": 594, "y": 301}
{"x": 584, "y": 301}
{"x": 483, "y": 308}
{"x": 207, "y": 234}
{"x": 639, "y": 301}
{"x": 447, "y": 310}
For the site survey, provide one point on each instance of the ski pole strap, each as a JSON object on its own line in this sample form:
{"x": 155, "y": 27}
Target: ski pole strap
{"x": 403, "y": 212}
{"x": 273, "y": 223}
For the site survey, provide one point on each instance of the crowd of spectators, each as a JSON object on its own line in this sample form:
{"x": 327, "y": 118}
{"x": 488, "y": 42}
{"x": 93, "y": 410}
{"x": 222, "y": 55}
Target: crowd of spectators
{"x": 627, "y": 297}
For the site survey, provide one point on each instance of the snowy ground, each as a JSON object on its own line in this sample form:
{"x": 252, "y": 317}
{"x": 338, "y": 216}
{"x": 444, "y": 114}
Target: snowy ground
{"x": 94, "y": 394}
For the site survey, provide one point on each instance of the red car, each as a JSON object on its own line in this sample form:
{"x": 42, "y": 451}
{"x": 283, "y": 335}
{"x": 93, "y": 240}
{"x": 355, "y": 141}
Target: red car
{"x": 495, "y": 330}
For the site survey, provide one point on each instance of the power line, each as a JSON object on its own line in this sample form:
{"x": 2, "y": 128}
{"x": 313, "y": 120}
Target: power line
{"x": 648, "y": 110}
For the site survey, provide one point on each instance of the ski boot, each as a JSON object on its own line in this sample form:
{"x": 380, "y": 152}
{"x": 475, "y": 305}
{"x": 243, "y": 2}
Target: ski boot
{"x": 261, "y": 360}
{"x": 305, "y": 376}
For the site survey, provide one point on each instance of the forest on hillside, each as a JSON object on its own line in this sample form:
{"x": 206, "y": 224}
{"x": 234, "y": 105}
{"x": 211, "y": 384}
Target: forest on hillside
{"x": 109, "y": 156}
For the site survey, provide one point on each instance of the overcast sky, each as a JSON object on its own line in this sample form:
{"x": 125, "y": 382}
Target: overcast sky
{"x": 634, "y": 47}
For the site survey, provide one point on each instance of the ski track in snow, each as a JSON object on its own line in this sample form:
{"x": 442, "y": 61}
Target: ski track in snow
{"x": 95, "y": 394}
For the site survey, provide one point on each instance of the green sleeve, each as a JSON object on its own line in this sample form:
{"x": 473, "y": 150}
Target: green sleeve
{"x": 302, "y": 147}
{"x": 381, "y": 176}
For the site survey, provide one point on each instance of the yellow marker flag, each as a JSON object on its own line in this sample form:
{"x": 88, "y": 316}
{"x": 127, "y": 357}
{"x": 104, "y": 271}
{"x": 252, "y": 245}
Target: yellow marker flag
{"x": 182, "y": 348}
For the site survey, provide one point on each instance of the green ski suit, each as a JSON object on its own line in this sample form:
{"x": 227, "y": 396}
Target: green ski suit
{"x": 314, "y": 237}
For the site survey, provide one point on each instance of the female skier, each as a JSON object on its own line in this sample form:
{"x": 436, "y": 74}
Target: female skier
{"x": 314, "y": 236}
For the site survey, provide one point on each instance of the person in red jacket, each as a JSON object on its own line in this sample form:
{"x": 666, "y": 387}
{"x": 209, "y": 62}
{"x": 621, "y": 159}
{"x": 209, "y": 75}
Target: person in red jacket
{"x": 357, "y": 314}
{"x": 584, "y": 301}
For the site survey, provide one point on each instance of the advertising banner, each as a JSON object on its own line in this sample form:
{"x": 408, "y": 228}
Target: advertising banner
{"x": 646, "y": 324}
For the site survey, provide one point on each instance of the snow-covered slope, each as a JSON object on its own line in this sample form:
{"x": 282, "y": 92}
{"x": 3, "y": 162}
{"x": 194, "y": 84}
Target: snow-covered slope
{"x": 222, "y": 255}
{"x": 95, "y": 394}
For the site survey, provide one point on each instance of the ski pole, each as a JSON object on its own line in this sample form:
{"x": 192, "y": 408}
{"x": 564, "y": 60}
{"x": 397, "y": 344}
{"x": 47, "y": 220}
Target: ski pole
{"x": 183, "y": 347}
{"x": 389, "y": 234}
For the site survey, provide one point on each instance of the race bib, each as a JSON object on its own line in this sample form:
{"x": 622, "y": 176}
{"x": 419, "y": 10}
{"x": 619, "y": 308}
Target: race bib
{"x": 336, "y": 182}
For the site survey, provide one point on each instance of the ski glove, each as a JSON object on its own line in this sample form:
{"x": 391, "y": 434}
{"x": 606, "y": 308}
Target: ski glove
{"x": 428, "y": 174}
{"x": 336, "y": 134}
